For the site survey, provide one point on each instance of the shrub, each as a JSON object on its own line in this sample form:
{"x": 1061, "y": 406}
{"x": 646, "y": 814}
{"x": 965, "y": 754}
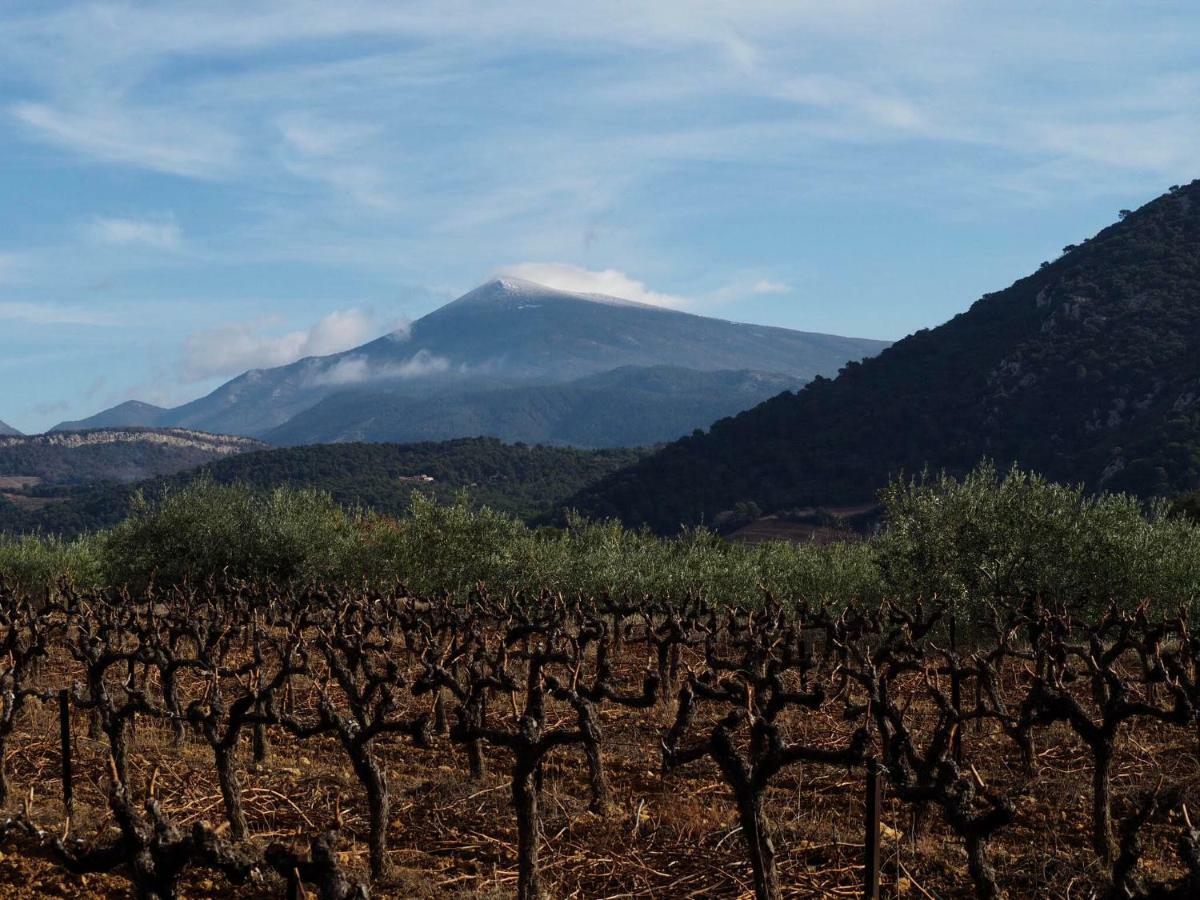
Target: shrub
{"x": 34, "y": 562}
{"x": 205, "y": 529}
{"x": 988, "y": 536}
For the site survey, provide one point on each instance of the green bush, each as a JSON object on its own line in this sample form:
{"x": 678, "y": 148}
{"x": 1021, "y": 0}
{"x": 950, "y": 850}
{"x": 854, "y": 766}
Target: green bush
{"x": 205, "y": 529}
{"x": 989, "y": 536}
{"x": 972, "y": 540}
{"x": 34, "y": 563}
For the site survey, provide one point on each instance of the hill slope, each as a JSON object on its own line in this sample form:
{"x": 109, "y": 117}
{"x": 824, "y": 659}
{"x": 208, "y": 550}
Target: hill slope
{"x": 130, "y": 414}
{"x": 7, "y": 430}
{"x": 1088, "y": 370}
{"x": 515, "y": 478}
{"x": 512, "y": 332}
{"x": 128, "y": 454}
{"x": 628, "y": 407}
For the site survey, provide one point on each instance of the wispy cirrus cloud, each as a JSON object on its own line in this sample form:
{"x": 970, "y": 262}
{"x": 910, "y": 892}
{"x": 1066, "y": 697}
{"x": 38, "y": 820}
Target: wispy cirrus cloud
{"x": 53, "y": 314}
{"x": 699, "y": 156}
{"x": 161, "y": 234}
{"x": 163, "y": 140}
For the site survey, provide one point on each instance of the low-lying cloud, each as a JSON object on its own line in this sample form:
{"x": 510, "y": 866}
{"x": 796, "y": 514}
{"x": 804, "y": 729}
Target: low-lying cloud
{"x": 359, "y": 369}
{"x": 238, "y": 346}
{"x": 611, "y": 282}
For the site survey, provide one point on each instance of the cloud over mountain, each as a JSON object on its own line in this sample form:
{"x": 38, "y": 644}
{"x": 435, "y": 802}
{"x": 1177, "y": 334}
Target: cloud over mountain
{"x": 578, "y": 280}
{"x": 237, "y": 346}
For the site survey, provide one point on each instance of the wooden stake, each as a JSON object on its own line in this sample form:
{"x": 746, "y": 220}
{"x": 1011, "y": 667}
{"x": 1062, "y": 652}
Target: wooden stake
{"x": 871, "y": 822}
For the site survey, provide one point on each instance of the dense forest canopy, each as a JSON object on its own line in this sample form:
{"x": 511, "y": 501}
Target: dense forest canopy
{"x": 516, "y": 479}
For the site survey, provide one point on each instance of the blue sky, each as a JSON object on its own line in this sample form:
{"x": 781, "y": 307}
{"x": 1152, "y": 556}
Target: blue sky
{"x": 190, "y": 189}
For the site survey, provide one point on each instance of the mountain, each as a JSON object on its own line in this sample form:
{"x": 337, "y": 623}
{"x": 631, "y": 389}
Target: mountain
{"x": 513, "y": 478}
{"x": 628, "y": 407}
{"x": 1087, "y": 370}
{"x": 131, "y": 454}
{"x": 130, "y": 414}
{"x": 510, "y": 332}
{"x": 8, "y": 431}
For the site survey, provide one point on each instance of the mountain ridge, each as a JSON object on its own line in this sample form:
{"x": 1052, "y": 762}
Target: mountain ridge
{"x": 115, "y": 454}
{"x": 510, "y": 331}
{"x": 130, "y": 414}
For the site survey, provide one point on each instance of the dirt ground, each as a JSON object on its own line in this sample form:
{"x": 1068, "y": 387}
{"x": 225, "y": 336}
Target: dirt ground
{"x": 672, "y": 836}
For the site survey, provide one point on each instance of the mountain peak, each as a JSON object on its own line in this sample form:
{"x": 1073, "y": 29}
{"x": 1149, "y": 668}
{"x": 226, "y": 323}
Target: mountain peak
{"x": 506, "y": 331}
{"x": 8, "y": 430}
{"x": 130, "y": 414}
{"x": 508, "y": 291}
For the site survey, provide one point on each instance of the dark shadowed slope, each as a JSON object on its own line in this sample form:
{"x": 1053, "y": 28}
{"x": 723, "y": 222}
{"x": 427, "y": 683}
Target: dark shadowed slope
{"x": 628, "y": 407}
{"x": 1088, "y": 370}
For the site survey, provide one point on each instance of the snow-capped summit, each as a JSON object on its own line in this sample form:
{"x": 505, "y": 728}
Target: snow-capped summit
{"x": 508, "y": 332}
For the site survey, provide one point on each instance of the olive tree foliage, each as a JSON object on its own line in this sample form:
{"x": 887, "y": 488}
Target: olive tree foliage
{"x": 33, "y": 561}
{"x": 207, "y": 529}
{"x": 969, "y": 541}
{"x": 454, "y": 548}
{"x": 992, "y": 536}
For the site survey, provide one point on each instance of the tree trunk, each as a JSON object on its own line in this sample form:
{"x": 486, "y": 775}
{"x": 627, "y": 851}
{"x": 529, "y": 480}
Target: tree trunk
{"x": 170, "y": 695}
{"x": 525, "y": 801}
{"x": 119, "y": 744}
{"x": 982, "y": 873}
{"x": 596, "y": 776}
{"x": 664, "y": 673}
{"x": 440, "y": 723}
{"x": 258, "y": 740}
{"x": 3, "y": 771}
{"x": 1102, "y": 801}
{"x": 231, "y": 791}
{"x": 589, "y": 727}
{"x": 475, "y": 760}
{"x": 758, "y": 844}
{"x": 374, "y": 782}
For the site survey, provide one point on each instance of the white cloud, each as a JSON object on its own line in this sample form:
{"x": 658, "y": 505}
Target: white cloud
{"x": 233, "y": 348}
{"x": 321, "y": 137}
{"x": 358, "y": 369}
{"x": 160, "y": 234}
{"x": 51, "y": 314}
{"x": 333, "y": 153}
{"x": 164, "y": 140}
{"x": 611, "y": 282}
{"x": 767, "y": 286}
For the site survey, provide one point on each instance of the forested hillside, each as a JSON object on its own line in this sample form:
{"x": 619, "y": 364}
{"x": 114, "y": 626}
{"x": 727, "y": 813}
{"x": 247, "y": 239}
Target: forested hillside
{"x": 1088, "y": 371}
{"x": 517, "y": 479}
{"x": 113, "y": 454}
